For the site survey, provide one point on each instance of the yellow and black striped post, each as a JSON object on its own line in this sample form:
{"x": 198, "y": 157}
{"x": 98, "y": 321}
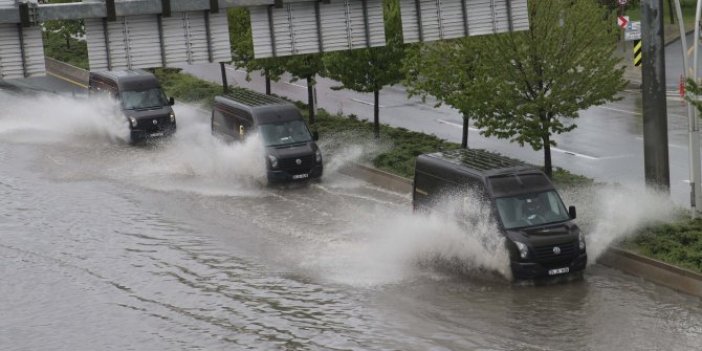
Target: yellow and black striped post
{"x": 637, "y": 53}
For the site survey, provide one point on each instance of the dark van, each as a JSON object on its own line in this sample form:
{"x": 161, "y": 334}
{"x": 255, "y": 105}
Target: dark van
{"x": 542, "y": 238}
{"x": 291, "y": 151}
{"x": 141, "y": 98}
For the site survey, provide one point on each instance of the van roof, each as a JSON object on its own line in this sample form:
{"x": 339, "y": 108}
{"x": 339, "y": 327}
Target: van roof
{"x": 480, "y": 162}
{"x": 252, "y": 99}
{"x": 129, "y": 78}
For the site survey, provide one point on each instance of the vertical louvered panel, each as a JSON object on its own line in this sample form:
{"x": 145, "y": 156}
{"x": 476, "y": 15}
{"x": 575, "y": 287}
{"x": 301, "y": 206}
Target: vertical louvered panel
{"x": 342, "y": 24}
{"x": 219, "y": 32}
{"x": 133, "y": 42}
{"x": 444, "y": 19}
{"x": 21, "y": 52}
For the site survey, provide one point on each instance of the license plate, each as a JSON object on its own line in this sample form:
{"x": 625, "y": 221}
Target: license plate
{"x": 300, "y": 176}
{"x": 156, "y": 134}
{"x": 557, "y": 271}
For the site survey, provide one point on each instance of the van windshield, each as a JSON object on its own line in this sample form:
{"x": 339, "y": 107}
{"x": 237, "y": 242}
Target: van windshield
{"x": 284, "y": 133}
{"x": 531, "y": 209}
{"x": 143, "y": 99}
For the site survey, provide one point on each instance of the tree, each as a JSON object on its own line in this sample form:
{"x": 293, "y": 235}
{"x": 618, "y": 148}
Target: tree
{"x": 242, "y": 48}
{"x": 306, "y": 67}
{"x": 67, "y": 29}
{"x": 369, "y": 70}
{"x": 540, "y": 79}
{"x": 446, "y": 70}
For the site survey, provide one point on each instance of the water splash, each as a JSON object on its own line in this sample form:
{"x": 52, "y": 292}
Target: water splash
{"x": 46, "y": 118}
{"x": 610, "y": 214}
{"x": 400, "y": 246}
{"x": 193, "y": 159}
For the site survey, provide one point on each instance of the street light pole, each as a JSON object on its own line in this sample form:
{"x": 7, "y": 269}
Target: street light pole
{"x": 693, "y": 125}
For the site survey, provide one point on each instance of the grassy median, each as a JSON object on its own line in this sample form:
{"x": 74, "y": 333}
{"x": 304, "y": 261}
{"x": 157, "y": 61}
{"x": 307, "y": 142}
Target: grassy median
{"x": 677, "y": 243}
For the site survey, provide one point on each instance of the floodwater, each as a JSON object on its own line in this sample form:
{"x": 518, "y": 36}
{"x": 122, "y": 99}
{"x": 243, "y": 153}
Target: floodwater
{"x": 177, "y": 246}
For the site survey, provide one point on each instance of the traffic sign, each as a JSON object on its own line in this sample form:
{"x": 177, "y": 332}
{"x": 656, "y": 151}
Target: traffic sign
{"x": 622, "y": 21}
{"x": 633, "y": 31}
{"x": 622, "y": 2}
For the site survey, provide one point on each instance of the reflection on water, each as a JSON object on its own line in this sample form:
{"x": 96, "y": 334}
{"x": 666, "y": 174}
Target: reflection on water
{"x": 106, "y": 246}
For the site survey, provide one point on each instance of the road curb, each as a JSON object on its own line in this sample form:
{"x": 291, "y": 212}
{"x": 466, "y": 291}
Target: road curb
{"x": 655, "y": 271}
{"x": 658, "y": 272}
{"x": 378, "y": 178}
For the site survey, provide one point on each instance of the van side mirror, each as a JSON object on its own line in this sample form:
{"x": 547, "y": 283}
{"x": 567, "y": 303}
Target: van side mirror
{"x": 571, "y": 212}
{"x": 171, "y": 101}
{"x": 315, "y": 135}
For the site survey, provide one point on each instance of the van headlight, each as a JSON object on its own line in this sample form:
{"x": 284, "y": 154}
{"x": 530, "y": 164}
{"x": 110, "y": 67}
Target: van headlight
{"x": 172, "y": 115}
{"x": 133, "y": 121}
{"x": 318, "y": 156}
{"x": 274, "y": 161}
{"x": 581, "y": 241}
{"x": 523, "y": 249}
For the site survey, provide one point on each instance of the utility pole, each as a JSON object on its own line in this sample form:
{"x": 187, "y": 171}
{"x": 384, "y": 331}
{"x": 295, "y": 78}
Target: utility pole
{"x": 655, "y": 119}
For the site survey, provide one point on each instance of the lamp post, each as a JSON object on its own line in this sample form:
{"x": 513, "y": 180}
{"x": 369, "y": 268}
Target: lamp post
{"x": 693, "y": 125}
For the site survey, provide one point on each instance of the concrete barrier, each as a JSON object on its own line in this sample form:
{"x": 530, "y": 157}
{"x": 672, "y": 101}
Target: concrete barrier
{"x": 379, "y": 178}
{"x": 658, "y": 272}
{"x": 67, "y": 72}
{"x": 655, "y": 271}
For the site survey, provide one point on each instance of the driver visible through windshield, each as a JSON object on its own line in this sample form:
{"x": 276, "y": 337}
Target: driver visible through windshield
{"x": 284, "y": 133}
{"x": 531, "y": 209}
{"x": 143, "y": 99}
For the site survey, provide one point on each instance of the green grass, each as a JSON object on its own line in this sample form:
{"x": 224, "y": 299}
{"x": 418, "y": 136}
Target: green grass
{"x": 679, "y": 244}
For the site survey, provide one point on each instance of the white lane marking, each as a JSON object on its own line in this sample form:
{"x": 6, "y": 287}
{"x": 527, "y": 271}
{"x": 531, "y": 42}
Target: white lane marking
{"x": 457, "y": 125}
{"x": 552, "y": 148}
{"x": 675, "y": 146}
{"x": 235, "y": 69}
{"x": 366, "y": 102}
{"x": 686, "y": 181}
{"x": 634, "y": 112}
{"x": 296, "y": 85}
{"x": 620, "y": 110}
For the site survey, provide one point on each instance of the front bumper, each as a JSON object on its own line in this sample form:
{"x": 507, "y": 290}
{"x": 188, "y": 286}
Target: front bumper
{"x": 141, "y": 134}
{"x": 532, "y": 270}
{"x": 278, "y": 176}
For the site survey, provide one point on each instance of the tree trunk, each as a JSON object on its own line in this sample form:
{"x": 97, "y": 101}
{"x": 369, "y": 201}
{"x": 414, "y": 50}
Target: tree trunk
{"x": 68, "y": 42}
{"x": 548, "y": 168}
{"x": 464, "y": 138}
{"x": 376, "y": 113}
{"x": 310, "y": 99}
{"x": 671, "y": 11}
{"x": 268, "y": 82}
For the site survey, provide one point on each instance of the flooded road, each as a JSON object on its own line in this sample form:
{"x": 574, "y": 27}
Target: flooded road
{"x": 176, "y": 246}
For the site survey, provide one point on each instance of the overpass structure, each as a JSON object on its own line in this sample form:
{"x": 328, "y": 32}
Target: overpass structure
{"x": 160, "y": 33}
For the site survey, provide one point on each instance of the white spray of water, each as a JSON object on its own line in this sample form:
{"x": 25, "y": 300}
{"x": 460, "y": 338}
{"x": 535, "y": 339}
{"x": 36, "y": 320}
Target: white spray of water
{"x": 397, "y": 244}
{"x": 46, "y": 118}
{"x": 343, "y": 149}
{"x": 610, "y": 214}
{"x": 195, "y": 160}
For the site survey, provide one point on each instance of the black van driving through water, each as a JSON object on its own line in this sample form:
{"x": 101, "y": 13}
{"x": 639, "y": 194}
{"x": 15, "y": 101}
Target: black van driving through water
{"x": 141, "y": 99}
{"x": 541, "y": 237}
{"x": 291, "y": 151}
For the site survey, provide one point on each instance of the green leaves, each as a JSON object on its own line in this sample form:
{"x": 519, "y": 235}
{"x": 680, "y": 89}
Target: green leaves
{"x": 526, "y": 86}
